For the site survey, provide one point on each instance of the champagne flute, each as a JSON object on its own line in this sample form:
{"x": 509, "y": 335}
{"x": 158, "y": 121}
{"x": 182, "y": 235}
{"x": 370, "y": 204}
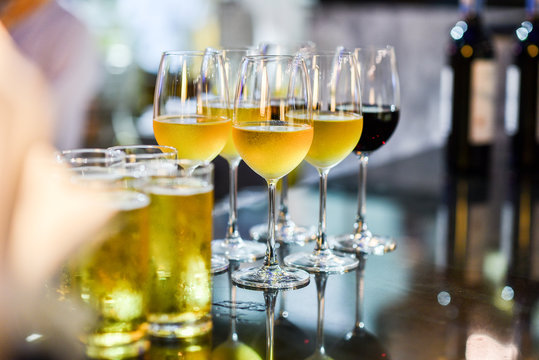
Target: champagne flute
{"x": 233, "y": 247}
{"x": 337, "y": 127}
{"x": 272, "y": 144}
{"x": 381, "y": 106}
{"x": 190, "y": 92}
{"x": 286, "y": 230}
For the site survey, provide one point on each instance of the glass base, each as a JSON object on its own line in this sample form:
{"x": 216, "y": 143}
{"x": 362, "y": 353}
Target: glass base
{"x": 178, "y": 330}
{"x": 219, "y": 264}
{"x": 270, "y": 278}
{"x": 118, "y": 350}
{"x": 242, "y": 251}
{"x": 368, "y": 244}
{"x": 319, "y": 356}
{"x": 322, "y": 262}
{"x": 286, "y": 234}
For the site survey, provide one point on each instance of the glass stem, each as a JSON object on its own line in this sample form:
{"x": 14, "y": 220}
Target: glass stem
{"x": 321, "y": 280}
{"x": 361, "y": 224}
{"x": 360, "y": 290}
{"x": 233, "y": 266}
{"x": 269, "y": 299}
{"x": 283, "y": 252}
{"x": 284, "y": 216}
{"x": 232, "y": 233}
{"x": 271, "y": 255}
{"x": 321, "y": 239}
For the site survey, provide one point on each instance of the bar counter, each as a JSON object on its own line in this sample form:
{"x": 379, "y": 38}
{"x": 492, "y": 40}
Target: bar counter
{"x": 461, "y": 284}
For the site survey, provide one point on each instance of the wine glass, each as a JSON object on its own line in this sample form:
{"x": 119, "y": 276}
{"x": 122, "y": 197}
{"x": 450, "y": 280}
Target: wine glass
{"x": 380, "y": 96}
{"x": 190, "y": 92}
{"x": 233, "y": 247}
{"x": 286, "y": 230}
{"x": 272, "y": 143}
{"x": 338, "y": 124}
{"x": 189, "y": 86}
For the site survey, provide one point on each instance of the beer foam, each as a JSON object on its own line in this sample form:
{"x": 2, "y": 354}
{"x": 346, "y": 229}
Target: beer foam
{"x": 184, "y": 189}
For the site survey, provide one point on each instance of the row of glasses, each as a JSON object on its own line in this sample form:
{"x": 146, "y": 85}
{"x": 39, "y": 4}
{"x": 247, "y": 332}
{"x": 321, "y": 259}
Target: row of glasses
{"x": 272, "y": 115}
{"x": 192, "y": 113}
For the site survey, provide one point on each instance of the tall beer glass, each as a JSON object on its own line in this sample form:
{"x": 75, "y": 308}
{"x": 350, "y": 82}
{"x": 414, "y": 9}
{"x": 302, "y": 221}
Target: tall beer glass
{"x": 180, "y": 252}
{"x": 109, "y": 274}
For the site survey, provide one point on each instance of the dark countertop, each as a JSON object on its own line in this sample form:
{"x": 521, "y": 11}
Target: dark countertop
{"x": 462, "y": 283}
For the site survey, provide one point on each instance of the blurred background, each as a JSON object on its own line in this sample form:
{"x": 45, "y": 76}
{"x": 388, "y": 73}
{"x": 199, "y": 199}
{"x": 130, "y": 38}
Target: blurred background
{"x": 117, "y": 53}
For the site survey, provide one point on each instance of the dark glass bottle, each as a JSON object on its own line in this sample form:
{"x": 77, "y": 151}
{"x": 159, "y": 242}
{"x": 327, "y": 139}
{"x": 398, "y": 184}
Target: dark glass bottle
{"x": 521, "y": 107}
{"x": 470, "y": 93}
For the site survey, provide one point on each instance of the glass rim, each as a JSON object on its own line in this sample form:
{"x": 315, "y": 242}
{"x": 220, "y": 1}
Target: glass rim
{"x": 328, "y": 53}
{"x": 234, "y": 49}
{"x": 103, "y": 151}
{"x": 187, "y": 116}
{"x": 143, "y": 146}
{"x": 107, "y": 157}
{"x": 165, "y": 151}
{"x": 201, "y": 170}
{"x": 185, "y": 52}
{"x": 374, "y": 47}
{"x": 271, "y": 57}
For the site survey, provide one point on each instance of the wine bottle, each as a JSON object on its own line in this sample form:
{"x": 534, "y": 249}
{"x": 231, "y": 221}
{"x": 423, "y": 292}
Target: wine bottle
{"x": 468, "y": 90}
{"x": 521, "y": 105}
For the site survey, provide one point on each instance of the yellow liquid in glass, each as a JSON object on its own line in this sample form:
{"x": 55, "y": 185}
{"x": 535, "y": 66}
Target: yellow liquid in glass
{"x": 272, "y": 151}
{"x": 195, "y": 138}
{"x": 111, "y": 276}
{"x": 229, "y": 152}
{"x": 335, "y": 136}
{"x": 180, "y": 258}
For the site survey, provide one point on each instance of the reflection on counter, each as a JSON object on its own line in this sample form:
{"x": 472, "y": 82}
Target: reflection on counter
{"x": 520, "y": 244}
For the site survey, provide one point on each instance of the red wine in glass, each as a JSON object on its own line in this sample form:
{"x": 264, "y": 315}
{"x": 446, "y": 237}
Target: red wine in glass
{"x": 379, "y": 123}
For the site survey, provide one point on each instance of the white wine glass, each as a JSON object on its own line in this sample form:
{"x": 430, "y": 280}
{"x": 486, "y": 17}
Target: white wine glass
{"x": 233, "y": 246}
{"x": 286, "y": 230}
{"x": 189, "y": 85}
{"x": 272, "y": 143}
{"x": 381, "y": 106}
{"x": 338, "y": 124}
